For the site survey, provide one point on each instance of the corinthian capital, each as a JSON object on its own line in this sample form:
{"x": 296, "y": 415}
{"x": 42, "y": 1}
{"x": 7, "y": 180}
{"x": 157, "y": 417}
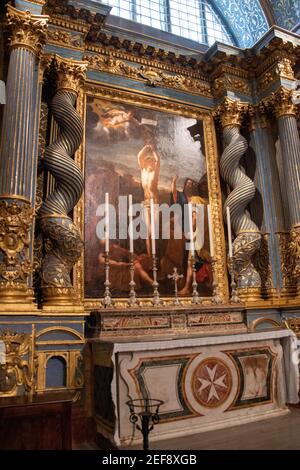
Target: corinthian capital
{"x": 71, "y": 74}
{"x": 27, "y": 30}
{"x": 282, "y": 102}
{"x": 231, "y": 112}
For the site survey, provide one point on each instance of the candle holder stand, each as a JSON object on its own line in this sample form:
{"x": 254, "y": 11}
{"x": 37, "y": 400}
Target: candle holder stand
{"x": 156, "y": 301}
{"x": 234, "y": 299}
{"x": 195, "y": 294}
{"x": 132, "y": 301}
{"x": 147, "y": 410}
{"x": 107, "y": 300}
{"x": 216, "y": 299}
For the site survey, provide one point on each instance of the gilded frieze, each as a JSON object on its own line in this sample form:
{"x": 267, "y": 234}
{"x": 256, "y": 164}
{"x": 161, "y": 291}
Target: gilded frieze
{"x": 152, "y": 76}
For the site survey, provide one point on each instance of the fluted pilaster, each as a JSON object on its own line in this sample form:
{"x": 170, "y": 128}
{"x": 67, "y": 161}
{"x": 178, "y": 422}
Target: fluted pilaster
{"x": 18, "y": 151}
{"x": 281, "y": 102}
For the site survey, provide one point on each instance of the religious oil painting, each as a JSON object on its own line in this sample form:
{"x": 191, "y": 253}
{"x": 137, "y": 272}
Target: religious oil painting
{"x": 152, "y": 158}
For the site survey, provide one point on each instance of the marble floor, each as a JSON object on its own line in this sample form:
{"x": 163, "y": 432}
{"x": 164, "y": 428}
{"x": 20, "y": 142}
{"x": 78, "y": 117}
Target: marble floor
{"x": 281, "y": 433}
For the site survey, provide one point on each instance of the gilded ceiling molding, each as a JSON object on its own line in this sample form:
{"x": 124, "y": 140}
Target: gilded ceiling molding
{"x": 27, "y": 30}
{"x": 148, "y": 74}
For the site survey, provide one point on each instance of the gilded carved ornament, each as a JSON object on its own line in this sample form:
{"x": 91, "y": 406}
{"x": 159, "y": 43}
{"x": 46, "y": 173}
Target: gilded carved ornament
{"x": 153, "y": 77}
{"x": 27, "y": 30}
{"x": 282, "y": 102}
{"x": 15, "y": 223}
{"x": 71, "y": 74}
{"x": 295, "y": 252}
{"x": 231, "y": 112}
{"x": 18, "y": 370}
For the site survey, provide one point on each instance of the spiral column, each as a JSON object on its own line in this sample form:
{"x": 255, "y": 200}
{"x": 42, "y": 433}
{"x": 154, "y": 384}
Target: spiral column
{"x": 63, "y": 242}
{"x": 18, "y": 158}
{"x": 248, "y": 237}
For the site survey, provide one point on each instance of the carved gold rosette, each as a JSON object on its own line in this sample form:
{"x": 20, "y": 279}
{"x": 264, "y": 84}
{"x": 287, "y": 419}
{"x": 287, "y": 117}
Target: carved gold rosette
{"x": 27, "y": 30}
{"x": 16, "y": 218}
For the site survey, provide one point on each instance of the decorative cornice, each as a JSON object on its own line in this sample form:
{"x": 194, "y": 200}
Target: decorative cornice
{"x": 281, "y": 102}
{"x": 71, "y": 73}
{"x": 231, "y": 112}
{"x": 152, "y": 76}
{"x": 27, "y": 30}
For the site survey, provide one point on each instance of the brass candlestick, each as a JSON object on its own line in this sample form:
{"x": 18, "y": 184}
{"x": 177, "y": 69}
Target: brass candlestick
{"x": 234, "y": 299}
{"x": 107, "y": 300}
{"x": 215, "y": 298}
{"x": 156, "y": 301}
{"x": 175, "y": 277}
{"x": 195, "y": 295}
{"x": 132, "y": 301}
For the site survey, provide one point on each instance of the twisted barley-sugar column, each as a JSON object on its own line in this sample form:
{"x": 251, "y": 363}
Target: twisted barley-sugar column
{"x": 63, "y": 240}
{"x": 285, "y": 111}
{"x": 248, "y": 237}
{"x": 18, "y": 158}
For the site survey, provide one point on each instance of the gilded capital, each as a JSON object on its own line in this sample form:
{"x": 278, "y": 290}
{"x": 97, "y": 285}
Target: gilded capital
{"x": 231, "y": 112}
{"x": 71, "y": 74}
{"x": 27, "y": 30}
{"x": 282, "y": 102}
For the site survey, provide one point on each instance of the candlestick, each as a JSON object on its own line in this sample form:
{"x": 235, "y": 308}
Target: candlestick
{"x": 195, "y": 294}
{"x": 192, "y": 246}
{"x": 229, "y": 232}
{"x": 152, "y": 223}
{"x": 107, "y": 301}
{"x": 130, "y": 225}
{"x": 106, "y": 222}
{"x": 216, "y": 299}
{"x": 132, "y": 301}
{"x": 234, "y": 299}
{"x": 156, "y": 301}
{"x": 211, "y": 241}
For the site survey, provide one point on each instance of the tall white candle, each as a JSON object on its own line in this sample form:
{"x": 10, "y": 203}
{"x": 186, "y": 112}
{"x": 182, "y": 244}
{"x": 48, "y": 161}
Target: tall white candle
{"x": 211, "y": 241}
{"x": 152, "y": 224}
{"x": 106, "y": 222}
{"x": 192, "y": 246}
{"x": 130, "y": 225}
{"x": 229, "y": 231}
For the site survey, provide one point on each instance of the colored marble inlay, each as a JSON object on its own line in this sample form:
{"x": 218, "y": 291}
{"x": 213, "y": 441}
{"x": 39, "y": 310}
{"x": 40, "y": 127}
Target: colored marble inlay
{"x": 211, "y": 382}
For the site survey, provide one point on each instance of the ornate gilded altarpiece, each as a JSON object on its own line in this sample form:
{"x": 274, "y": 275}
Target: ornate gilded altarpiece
{"x": 117, "y": 126}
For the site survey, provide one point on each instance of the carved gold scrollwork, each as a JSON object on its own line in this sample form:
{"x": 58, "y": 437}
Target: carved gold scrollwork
{"x": 71, "y": 74}
{"x": 27, "y": 30}
{"x": 15, "y": 222}
{"x": 153, "y": 77}
{"x": 17, "y": 372}
{"x": 286, "y": 263}
{"x": 295, "y": 252}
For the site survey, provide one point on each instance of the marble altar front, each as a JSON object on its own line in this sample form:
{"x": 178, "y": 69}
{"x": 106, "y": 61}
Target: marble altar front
{"x": 205, "y": 383}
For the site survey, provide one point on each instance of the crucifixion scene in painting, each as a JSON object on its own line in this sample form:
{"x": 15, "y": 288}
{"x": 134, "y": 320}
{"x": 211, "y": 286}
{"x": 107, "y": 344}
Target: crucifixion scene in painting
{"x": 152, "y": 158}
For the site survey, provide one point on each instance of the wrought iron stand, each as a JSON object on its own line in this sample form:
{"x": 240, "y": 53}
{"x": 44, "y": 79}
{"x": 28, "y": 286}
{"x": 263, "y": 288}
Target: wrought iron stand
{"x": 145, "y": 409}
